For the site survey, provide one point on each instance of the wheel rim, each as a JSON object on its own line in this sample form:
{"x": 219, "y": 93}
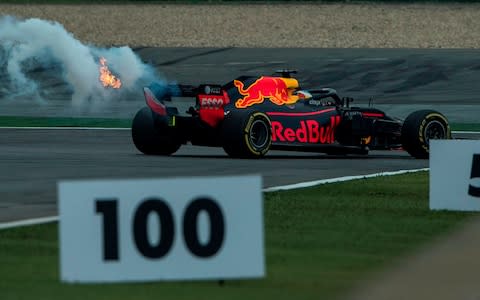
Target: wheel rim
{"x": 434, "y": 130}
{"x": 259, "y": 134}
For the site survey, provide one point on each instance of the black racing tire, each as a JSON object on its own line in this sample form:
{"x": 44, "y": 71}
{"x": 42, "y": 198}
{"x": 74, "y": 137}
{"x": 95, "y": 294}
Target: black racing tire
{"x": 419, "y": 128}
{"x": 153, "y": 137}
{"x": 246, "y": 134}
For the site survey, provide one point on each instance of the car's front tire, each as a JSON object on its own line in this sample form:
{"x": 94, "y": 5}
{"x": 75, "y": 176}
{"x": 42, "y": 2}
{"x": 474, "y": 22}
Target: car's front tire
{"x": 246, "y": 134}
{"x": 153, "y": 137}
{"x": 419, "y": 128}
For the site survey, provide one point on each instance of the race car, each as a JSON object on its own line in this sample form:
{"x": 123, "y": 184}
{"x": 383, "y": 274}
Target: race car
{"x": 249, "y": 116}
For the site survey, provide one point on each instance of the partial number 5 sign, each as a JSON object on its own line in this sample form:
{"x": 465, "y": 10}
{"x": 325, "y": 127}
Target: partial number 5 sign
{"x": 455, "y": 175}
{"x": 165, "y": 229}
{"x": 474, "y": 188}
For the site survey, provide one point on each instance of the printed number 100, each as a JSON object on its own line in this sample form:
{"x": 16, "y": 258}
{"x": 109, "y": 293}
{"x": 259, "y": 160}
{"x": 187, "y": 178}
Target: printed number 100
{"x": 108, "y": 208}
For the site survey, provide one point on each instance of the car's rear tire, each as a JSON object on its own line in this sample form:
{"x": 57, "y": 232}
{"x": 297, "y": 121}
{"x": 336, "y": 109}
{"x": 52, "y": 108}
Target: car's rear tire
{"x": 246, "y": 134}
{"x": 419, "y": 128}
{"x": 153, "y": 137}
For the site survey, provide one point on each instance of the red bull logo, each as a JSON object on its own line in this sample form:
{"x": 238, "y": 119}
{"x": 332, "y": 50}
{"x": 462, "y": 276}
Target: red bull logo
{"x": 278, "y": 90}
{"x": 309, "y": 131}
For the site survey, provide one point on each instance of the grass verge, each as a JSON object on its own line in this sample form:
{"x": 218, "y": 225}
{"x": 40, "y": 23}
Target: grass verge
{"x": 21, "y": 121}
{"x": 319, "y": 242}
{"x": 465, "y": 126}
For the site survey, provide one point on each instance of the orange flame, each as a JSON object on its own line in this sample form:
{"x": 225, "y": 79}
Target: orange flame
{"x": 106, "y": 77}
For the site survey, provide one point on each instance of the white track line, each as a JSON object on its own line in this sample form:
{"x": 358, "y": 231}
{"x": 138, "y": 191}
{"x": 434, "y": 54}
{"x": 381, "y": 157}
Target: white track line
{"x": 466, "y": 132}
{"x": 39, "y": 221}
{"x": 338, "y": 179}
{"x": 372, "y": 59}
{"x": 28, "y": 222}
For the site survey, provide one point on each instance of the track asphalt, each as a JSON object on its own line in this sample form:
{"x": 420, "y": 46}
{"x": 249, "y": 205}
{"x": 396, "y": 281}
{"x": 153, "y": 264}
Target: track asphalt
{"x": 398, "y": 81}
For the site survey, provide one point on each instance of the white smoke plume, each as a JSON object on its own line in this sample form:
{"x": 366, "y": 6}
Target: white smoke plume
{"x": 35, "y": 43}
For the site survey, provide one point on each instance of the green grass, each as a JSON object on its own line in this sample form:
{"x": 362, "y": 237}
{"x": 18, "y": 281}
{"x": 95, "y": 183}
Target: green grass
{"x": 319, "y": 243}
{"x": 18, "y": 121}
{"x": 465, "y": 126}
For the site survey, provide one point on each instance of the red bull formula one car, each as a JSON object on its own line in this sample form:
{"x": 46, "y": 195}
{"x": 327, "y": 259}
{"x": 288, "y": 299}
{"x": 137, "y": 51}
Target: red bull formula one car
{"x": 251, "y": 115}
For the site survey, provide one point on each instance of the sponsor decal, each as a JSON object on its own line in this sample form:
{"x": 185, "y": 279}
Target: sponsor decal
{"x": 274, "y": 89}
{"x": 216, "y": 90}
{"x": 324, "y": 102}
{"x": 315, "y": 102}
{"x": 211, "y": 101}
{"x": 372, "y": 115}
{"x": 308, "y": 131}
{"x": 351, "y": 114}
{"x": 211, "y": 108}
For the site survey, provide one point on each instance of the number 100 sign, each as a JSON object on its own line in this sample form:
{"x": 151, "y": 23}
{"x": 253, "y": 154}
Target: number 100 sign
{"x": 161, "y": 229}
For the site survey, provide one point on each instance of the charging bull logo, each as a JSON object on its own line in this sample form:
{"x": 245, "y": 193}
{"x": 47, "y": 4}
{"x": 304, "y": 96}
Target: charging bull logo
{"x": 277, "y": 90}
